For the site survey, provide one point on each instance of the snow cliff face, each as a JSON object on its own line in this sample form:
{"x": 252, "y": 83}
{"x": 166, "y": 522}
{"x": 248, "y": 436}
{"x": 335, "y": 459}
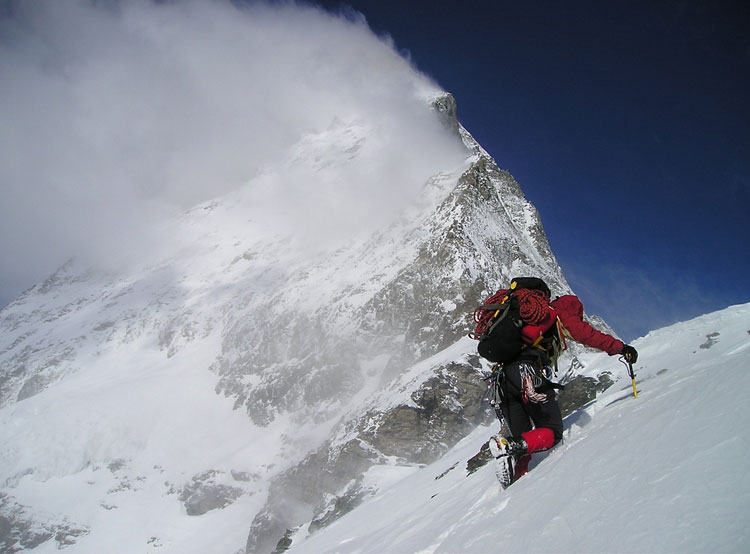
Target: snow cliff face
{"x": 326, "y": 360}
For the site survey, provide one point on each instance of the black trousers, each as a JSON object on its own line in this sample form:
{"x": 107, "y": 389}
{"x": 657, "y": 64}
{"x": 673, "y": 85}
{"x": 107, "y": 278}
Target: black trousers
{"x": 524, "y": 416}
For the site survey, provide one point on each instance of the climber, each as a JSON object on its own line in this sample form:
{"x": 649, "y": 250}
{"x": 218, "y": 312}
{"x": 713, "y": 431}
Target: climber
{"x": 528, "y": 400}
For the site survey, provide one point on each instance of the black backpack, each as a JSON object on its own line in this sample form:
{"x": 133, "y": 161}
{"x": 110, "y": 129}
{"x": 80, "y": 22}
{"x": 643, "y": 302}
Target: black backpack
{"x": 499, "y": 322}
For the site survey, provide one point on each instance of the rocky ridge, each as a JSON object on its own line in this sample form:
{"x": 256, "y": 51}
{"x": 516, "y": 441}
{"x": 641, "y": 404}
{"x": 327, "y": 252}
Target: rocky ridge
{"x": 483, "y": 233}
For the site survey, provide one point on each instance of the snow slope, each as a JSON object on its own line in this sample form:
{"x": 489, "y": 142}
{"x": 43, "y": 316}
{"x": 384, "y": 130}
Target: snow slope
{"x": 666, "y": 472}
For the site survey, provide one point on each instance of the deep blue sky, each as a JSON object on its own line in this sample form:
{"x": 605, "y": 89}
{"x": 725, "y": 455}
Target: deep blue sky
{"x": 627, "y": 124}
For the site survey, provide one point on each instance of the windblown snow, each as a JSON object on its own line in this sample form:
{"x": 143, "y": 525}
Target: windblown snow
{"x": 663, "y": 472}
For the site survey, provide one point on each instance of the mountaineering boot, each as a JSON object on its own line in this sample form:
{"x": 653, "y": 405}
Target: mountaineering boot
{"x": 511, "y": 446}
{"x": 506, "y": 450}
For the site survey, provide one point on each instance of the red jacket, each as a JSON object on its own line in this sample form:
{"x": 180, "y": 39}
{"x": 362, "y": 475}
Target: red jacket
{"x": 570, "y": 311}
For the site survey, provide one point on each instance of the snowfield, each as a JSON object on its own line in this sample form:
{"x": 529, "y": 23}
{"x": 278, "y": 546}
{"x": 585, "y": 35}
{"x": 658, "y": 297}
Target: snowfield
{"x": 666, "y": 472}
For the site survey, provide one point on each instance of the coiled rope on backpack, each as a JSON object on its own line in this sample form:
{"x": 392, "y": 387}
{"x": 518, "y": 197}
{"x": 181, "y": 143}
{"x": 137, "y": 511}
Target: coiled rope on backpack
{"x": 485, "y": 313}
{"x": 533, "y": 307}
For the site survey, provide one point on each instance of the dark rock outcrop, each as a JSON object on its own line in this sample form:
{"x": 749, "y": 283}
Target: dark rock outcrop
{"x": 21, "y": 529}
{"x": 204, "y": 494}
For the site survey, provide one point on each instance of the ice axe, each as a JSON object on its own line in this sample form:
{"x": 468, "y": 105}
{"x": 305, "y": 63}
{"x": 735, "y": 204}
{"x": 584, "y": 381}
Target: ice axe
{"x": 629, "y": 365}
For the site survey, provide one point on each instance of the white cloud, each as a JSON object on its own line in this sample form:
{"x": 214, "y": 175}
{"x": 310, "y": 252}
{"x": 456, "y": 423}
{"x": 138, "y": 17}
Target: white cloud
{"x": 118, "y": 114}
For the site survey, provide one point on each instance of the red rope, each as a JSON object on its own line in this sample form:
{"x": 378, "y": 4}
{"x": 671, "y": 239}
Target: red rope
{"x": 483, "y": 317}
{"x": 533, "y": 305}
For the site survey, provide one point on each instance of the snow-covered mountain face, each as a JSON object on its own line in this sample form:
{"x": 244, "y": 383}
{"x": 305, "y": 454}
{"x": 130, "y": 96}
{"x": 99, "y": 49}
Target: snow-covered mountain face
{"x": 240, "y": 378}
{"x": 664, "y": 472}
{"x": 319, "y": 359}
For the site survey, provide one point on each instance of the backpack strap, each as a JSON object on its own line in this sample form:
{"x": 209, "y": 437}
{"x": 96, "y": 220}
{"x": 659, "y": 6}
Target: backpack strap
{"x": 506, "y": 310}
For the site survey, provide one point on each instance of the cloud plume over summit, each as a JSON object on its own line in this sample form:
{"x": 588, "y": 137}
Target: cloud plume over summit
{"x": 119, "y": 114}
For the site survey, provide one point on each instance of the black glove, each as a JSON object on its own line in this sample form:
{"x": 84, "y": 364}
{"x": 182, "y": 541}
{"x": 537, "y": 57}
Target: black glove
{"x": 630, "y": 354}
